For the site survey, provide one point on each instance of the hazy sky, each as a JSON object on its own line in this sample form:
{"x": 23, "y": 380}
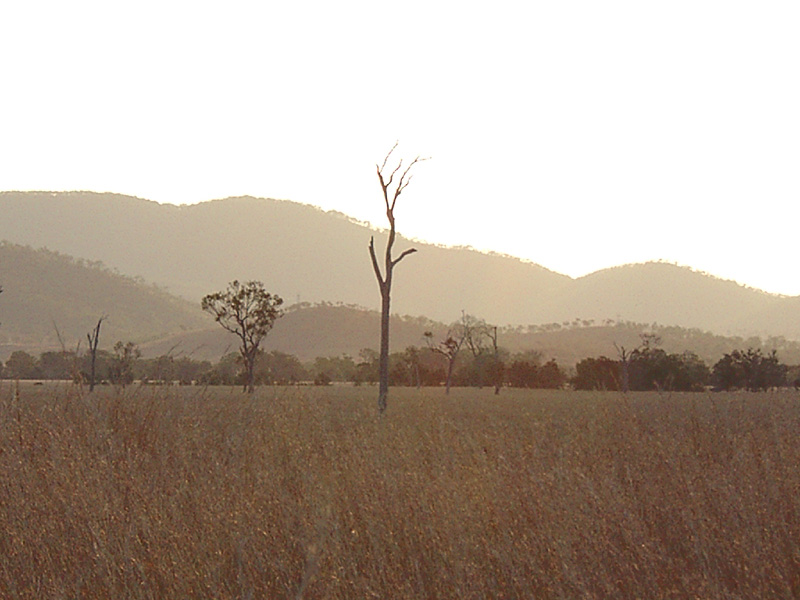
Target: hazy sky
{"x": 576, "y": 134}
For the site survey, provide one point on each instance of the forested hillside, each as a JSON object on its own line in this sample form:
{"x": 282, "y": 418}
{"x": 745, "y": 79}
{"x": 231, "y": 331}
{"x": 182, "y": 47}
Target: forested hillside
{"x": 309, "y": 255}
{"x": 44, "y": 291}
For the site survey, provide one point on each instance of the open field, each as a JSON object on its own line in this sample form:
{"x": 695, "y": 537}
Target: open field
{"x": 305, "y": 493}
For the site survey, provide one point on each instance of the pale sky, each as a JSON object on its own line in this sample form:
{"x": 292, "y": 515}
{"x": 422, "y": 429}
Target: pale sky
{"x": 576, "y": 134}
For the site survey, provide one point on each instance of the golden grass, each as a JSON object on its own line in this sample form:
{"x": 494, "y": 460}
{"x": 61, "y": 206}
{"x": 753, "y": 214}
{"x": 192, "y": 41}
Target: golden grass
{"x": 304, "y": 493}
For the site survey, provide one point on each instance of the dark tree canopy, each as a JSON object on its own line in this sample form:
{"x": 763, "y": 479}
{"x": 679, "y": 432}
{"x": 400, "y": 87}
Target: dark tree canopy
{"x": 248, "y": 311}
{"x": 749, "y": 370}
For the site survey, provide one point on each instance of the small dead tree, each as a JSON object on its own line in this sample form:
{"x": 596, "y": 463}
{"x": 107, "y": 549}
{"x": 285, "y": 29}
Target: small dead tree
{"x": 449, "y": 348}
{"x": 248, "y": 311}
{"x": 390, "y": 196}
{"x": 625, "y": 367}
{"x": 94, "y": 339}
{"x": 497, "y": 368}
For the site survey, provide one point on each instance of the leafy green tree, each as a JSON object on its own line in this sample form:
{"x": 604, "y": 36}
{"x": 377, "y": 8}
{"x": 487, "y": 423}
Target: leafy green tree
{"x": 279, "y": 368}
{"x": 158, "y": 370}
{"x": 601, "y": 373}
{"x": 121, "y": 369}
{"x": 21, "y": 365}
{"x": 187, "y": 371}
{"x": 226, "y": 372}
{"x": 56, "y": 365}
{"x": 407, "y": 367}
{"x": 522, "y": 373}
{"x": 249, "y": 312}
{"x": 692, "y": 374}
{"x": 750, "y": 370}
{"x": 368, "y": 367}
{"x": 550, "y": 376}
{"x": 487, "y": 366}
{"x": 335, "y": 368}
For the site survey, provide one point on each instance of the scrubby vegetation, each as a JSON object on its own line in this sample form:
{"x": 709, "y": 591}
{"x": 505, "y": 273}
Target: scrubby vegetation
{"x": 190, "y": 492}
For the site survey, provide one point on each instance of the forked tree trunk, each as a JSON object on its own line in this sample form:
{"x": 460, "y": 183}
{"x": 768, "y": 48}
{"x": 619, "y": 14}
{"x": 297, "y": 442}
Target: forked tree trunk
{"x": 385, "y": 278}
{"x": 94, "y": 338}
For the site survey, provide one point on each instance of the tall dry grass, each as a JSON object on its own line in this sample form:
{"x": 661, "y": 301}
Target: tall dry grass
{"x": 305, "y": 493}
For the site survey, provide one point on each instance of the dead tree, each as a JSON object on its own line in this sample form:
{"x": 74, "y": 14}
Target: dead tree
{"x": 497, "y": 364}
{"x": 625, "y": 364}
{"x": 390, "y": 196}
{"x": 449, "y": 348}
{"x": 94, "y": 339}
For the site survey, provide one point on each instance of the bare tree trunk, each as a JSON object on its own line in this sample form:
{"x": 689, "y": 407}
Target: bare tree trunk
{"x": 450, "y": 366}
{"x": 385, "y": 278}
{"x": 94, "y": 338}
{"x": 249, "y": 385}
{"x": 383, "y": 361}
{"x": 625, "y": 361}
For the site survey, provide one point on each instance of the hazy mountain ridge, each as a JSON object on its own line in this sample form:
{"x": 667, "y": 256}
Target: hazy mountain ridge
{"x": 44, "y": 291}
{"x": 306, "y": 254}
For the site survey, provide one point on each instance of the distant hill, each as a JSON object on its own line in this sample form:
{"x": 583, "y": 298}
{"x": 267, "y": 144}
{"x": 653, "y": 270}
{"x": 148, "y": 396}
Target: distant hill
{"x": 309, "y": 255}
{"x": 308, "y": 331}
{"x": 44, "y": 291}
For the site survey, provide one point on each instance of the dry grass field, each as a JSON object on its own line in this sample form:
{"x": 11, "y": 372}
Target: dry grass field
{"x": 175, "y": 493}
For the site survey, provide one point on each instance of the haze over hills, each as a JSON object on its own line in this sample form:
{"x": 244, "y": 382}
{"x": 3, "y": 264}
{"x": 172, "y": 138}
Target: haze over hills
{"x": 309, "y": 331}
{"x": 306, "y": 254}
{"x": 45, "y": 290}
{"x": 46, "y": 294}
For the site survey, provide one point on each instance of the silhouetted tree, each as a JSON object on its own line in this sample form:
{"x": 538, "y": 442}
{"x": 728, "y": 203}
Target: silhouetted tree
{"x": 749, "y": 370}
{"x": 248, "y": 311}
{"x": 550, "y": 376}
{"x": 409, "y": 360}
{"x": 121, "y": 371}
{"x": 335, "y": 368}
{"x": 94, "y": 339}
{"x": 654, "y": 369}
{"x": 481, "y": 339}
{"x": 449, "y": 348}
{"x": 21, "y": 365}
{"x": 279, "y": 368}
{"x": 496, "y": 366}
{"x": 56, "y": 365}
{"x": 390, "y": 196}
{"x": 624, "y": 367}
{"x": 367, "y": 369}
{"x": 601, "y": 373}
{"x": 522, "y": 373}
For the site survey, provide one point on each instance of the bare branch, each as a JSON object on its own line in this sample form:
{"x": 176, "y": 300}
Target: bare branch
{"x": 385, "y": 160}
{"x": 405, "y": 179}
{"x": 403, "y": 255}
{"x": 375, "y": 260}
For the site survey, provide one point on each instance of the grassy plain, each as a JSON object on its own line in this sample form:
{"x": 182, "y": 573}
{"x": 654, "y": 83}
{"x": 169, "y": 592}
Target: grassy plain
{"x": 305, "y": 493}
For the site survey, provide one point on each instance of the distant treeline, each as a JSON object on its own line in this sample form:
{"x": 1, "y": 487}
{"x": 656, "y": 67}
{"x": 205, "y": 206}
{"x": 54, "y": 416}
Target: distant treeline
{"x": 646, "y": 367}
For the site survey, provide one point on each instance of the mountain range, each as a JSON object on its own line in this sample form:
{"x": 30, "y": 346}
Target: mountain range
{"x": 309, "y": 255}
